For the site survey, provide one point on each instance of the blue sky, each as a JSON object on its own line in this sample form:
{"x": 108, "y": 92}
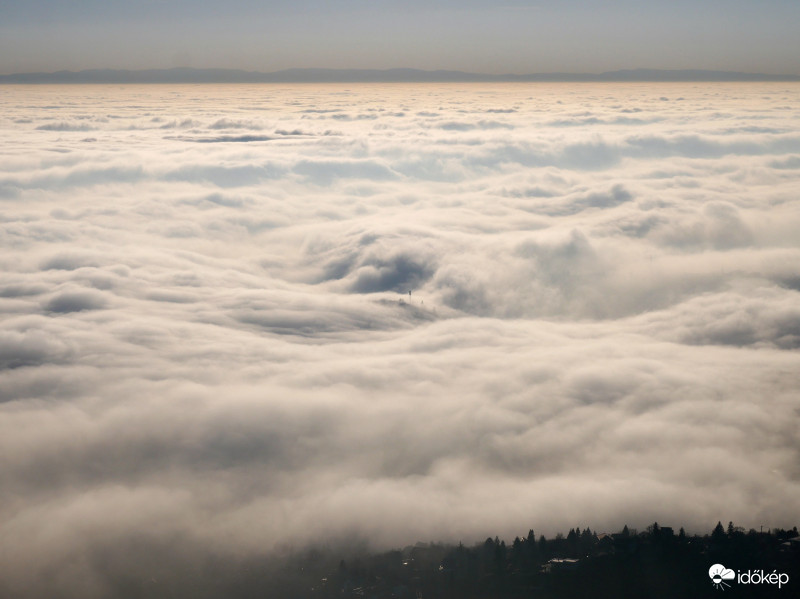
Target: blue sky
{"x": 475, "y": 35}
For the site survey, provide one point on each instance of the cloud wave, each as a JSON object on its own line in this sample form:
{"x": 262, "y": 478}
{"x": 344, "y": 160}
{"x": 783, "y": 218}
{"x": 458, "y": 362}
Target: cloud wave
{"x": 372, "y": 311}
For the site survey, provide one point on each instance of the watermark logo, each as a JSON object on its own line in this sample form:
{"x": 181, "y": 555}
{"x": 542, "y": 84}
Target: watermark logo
{"x": 720, "y": 575}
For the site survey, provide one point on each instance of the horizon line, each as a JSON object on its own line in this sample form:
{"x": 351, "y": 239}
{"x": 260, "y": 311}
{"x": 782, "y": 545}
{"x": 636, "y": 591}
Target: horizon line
{"x": 389, "y": 75}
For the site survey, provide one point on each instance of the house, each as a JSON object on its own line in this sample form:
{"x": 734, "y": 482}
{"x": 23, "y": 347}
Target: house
{"x": 560, "y": 564}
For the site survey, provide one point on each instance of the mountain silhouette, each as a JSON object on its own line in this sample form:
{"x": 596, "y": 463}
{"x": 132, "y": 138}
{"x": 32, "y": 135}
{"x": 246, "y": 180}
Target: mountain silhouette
{"x": 190, "y": 75}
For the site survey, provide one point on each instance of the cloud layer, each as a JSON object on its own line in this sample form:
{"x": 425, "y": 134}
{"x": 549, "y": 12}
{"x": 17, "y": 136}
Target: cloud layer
{"x": 240, "y": 318}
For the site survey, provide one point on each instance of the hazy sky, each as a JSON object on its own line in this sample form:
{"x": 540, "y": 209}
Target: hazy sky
{"x": 476, "y": 35}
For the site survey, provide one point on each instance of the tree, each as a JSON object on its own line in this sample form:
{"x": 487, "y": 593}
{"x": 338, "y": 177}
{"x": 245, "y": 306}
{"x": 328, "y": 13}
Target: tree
{"x": 518, "y": 552}
{"x": 571, "y": 536}
{"x": 586, "y": 540}
{"x": 500, "y": 557}
{"x": 718, "y": 534}
{"x": 488, "y": 551}
{"x": 654, "y": 530}
{"x": 532, "y": 549}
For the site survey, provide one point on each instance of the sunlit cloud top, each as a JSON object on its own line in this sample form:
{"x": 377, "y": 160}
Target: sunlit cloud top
{"x": 235, "y": 318}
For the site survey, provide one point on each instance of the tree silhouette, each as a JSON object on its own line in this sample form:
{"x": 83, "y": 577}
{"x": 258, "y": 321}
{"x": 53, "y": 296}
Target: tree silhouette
{"x": 718, "y": 534}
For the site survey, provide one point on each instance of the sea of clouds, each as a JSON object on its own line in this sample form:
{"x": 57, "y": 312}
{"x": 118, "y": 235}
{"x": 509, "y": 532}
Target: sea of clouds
{"x": 235, "y": 319}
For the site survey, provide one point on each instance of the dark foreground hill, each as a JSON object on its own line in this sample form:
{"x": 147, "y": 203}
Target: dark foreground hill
{"x": 657, "y": 563}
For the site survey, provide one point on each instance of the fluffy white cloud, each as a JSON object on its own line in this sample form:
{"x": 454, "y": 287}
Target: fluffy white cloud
{"x": 207, "y": 335}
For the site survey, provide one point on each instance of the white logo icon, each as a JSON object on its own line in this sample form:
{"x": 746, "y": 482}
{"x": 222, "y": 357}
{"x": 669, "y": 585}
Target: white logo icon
{"x": 719, "y": 574}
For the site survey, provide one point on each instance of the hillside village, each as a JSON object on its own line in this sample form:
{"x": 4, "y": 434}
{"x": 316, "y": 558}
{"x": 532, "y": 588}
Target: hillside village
{"x": 657, "y": 562}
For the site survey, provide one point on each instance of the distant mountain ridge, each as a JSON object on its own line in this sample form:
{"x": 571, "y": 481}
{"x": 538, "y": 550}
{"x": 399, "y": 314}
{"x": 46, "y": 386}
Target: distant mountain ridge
{"x": 190, "y": 75}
